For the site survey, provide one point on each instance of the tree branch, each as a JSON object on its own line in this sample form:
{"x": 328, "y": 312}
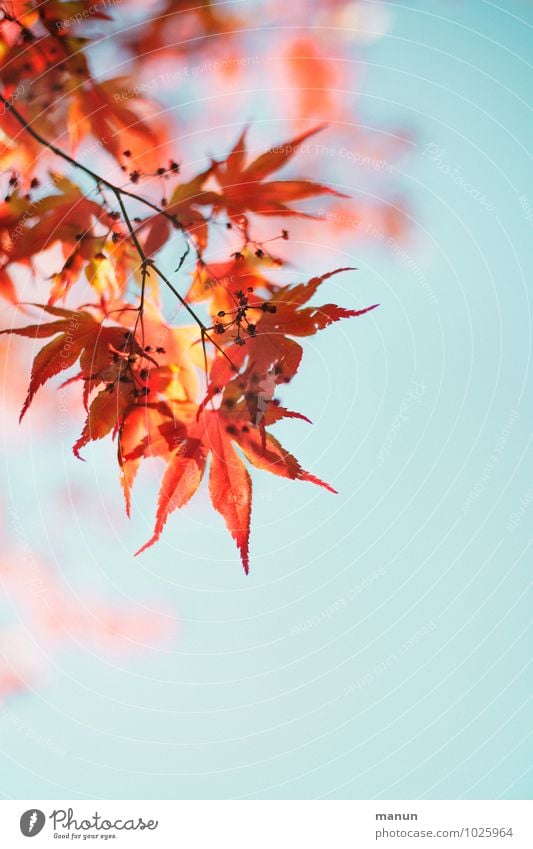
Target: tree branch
{"x": 119, "y": 193}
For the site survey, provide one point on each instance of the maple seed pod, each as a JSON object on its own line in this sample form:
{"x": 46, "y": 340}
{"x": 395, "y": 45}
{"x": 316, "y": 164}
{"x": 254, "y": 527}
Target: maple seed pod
{"x": 160, "y": 351}
{"x": 219, "y": 327}
{"x": 285, "y": 234}
{"x": 259, "y": 253}
{"x": 126, "y": 153}
{"x": 221, "y": 314}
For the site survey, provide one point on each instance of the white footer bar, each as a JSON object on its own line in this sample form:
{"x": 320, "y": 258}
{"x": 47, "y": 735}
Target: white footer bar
{"x": 268, "y": 824}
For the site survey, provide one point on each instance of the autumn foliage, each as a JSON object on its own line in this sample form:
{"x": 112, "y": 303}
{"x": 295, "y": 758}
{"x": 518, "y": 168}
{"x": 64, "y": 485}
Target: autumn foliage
{"x": 121, "y": 245}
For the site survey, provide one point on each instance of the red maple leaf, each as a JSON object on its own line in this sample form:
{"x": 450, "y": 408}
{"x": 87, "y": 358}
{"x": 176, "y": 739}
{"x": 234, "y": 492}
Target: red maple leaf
{"x": 245, "y": 189}
{"x": 187, "y": 441}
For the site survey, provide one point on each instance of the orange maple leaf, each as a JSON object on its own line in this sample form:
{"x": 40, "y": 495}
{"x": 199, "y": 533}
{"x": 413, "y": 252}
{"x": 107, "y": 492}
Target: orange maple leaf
{"x": 244, "y": 188}
{"x": 260, "y": 339}
{"x": 77, "y": 336}
{"x": 187, "y": 443}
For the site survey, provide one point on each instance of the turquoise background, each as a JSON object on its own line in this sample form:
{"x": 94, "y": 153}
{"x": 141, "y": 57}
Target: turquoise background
{"x": 381, "y": 646}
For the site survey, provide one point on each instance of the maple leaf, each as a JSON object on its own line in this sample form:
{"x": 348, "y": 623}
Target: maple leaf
{"x": 188, "y": 442}
{"x": 171, "y": 367}
{"x": 244, "y": 188}
{"x": 230, "y": 486}
{"x": 316, "y": 78}
{"x": 18, "y": 63}
{"x": 114, "y": 113}
{"x": 36, "y": 225}
{"x": 62, "y": 280}
{"x": 179, "y": 27}
{"x": 28, "y": 227}
{"x": 139, "y": 436}
{"x": 77, "y": 336}
{"x": 7, "y": 287}
{"x": 218, "y": 282}
{"x": 53, "y": 12}
{"x": 183, "y": 207}
{"x": 272, "y": 356}
{"x": 106, "y": 413}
